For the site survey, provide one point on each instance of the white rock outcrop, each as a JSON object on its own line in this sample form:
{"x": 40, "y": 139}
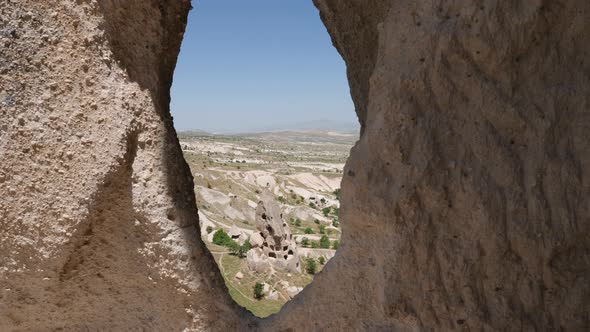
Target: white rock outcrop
{"x": 274, "y": 246}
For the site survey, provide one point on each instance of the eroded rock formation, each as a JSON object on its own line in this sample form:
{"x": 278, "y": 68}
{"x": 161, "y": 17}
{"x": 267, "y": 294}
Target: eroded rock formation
{"x": 464, "y": 205}
{"x": 99, "y": 228}
{"x": 273, "y": 246}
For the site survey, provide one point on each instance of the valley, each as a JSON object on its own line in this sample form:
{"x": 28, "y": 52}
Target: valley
{"x": 301, "y": 173}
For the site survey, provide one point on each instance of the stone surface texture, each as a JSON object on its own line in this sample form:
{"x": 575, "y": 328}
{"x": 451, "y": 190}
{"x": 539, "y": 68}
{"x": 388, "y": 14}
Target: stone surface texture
{"x": 465, "y": 203}
{"x": 277, "y": 250}
{"x": 98, "y": 224}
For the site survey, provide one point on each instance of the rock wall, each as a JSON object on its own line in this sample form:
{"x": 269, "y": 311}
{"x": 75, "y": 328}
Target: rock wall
{"x": 465, "y": 201}
{"x": 99, "y": 229}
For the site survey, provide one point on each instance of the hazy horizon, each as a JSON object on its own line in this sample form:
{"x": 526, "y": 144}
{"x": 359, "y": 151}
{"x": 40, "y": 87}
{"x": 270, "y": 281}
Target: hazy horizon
{"x": 258, "y": 65}
{"x": 319, "y": 124}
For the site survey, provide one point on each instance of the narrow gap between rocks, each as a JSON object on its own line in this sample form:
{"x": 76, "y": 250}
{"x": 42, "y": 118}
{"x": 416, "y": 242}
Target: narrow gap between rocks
{"x": 262, "y": 107}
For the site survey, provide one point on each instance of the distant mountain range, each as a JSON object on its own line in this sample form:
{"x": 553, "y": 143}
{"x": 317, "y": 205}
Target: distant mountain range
{"x": 322, "y": 125}
{"x": 314, "y": 125}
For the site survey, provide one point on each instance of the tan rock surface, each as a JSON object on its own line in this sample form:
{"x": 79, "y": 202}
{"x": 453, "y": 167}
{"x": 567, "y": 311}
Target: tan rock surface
{"x": 98, "y": 223}
{"x": 466, "y": 200}
{"x": 465, "y": 204}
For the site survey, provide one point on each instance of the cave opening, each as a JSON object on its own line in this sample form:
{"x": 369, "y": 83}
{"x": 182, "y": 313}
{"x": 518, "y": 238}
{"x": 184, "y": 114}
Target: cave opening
{"x": 263, "y": 112}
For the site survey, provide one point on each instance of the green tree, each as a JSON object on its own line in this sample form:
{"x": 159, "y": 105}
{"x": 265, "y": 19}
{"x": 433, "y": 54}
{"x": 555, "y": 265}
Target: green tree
{"x": 258, "y": 290}
{"x": 221, "y": 238}
{"x": 310, "y": 266}
{"x": 326, "y": 211}
{"x": 324, "y": 242}
{"x": 239, "y": 250}
{"x": 323, "y": 200}
{"x": 233, "y": 247}
{"x": 315, "y": 244}
{"x": 298, "y": 222}
{"x": 322, "y": 229}
{"x": 308, "y": 230}
{"x": 335, "y": 244}
{"x": 322, "y": 260}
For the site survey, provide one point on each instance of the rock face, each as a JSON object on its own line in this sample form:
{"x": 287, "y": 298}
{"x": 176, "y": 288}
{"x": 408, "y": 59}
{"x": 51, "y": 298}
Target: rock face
{"x": 273, "y": 247}
{"x": 465, "y": 203}
{"x": 97, "y": 212}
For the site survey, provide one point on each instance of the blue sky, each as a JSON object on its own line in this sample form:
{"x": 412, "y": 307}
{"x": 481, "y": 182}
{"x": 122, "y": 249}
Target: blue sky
{"x": 257, "y": 64}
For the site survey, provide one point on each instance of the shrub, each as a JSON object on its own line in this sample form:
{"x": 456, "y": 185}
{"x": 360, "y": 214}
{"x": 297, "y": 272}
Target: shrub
{"x": 247, "y": 245}
{"x": 209, "y": 185}
{"x": 282, "y": 199}
{"x": 335, "y": 223}
{"x": 324, "y": 242}
{"x": 305, "y": 242}
{"x": 221, "y": 238}
{"x": 315, "y": 244}
{"x": 316, "y": 221}
{"x": 308, "y": 230}
{"x": 209, "y": 229}
{"x": 322, "y": 260}
{"x": 233, "y": 247}
{"x": 312, "y": 205}
{"x": 335, "y": 244}
{"x": 293, "y": 196}
{"x": 258, "y": 290}
{"x": 337, "y": 193}
{"x": 239, "y": 250}
{"x": 322, "y": 229}
{"x": 310, "y": 266}
{"x": 297, "y": 222}
{"x": 323, "y": 200}
{"x": 326, "y": 211}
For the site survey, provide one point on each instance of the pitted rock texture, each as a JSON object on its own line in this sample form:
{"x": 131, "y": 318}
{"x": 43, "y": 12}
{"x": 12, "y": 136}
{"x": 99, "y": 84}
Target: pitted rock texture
{"x": 273, "y": 247}
{"x": 97, "y": 214}
{"x": 464, "y": 204}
